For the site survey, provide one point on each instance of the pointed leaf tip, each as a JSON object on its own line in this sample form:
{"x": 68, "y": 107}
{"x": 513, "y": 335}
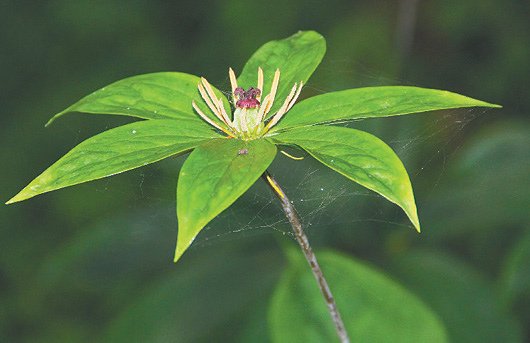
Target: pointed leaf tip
{"x": 415, "y": 221}
{"x": 59, "y": 114}
{"x": 215, "y": 175}
{"x": 118, "y": 150}
{"x": 374, "y": 102}
{"x": 50, "y": 121}
{"x": 17, "y": 198}
{"x": 361, "y": 157}
{"x": 180, "y": 249}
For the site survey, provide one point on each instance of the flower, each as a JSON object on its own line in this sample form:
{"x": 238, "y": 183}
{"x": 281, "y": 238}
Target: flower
{"x": 251, "y": 120}
{"x": 225, "y": 162}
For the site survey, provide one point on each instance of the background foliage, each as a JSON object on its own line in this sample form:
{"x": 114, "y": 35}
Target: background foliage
{"x": 94, "y": 262}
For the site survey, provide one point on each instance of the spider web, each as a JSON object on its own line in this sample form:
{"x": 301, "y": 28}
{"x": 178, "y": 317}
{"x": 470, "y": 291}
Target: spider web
{"x": 322, "y": 197}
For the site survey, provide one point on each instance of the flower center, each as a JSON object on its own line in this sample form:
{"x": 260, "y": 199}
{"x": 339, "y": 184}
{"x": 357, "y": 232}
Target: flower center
{"x": 247, "y": 99}
{"x": 251, "y": 119}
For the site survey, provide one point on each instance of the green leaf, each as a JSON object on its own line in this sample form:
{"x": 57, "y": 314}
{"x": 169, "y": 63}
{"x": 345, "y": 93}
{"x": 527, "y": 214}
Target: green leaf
{"x": 255, "y": 329}
{"x": 207, "y": 300}
{"x": 212, "y": 178}
{"x": 360, "y": 157}
{"x": 494, "y": 161}
{"x": 463, "y": 298}
{"x": 373, "y": 307}
{"x": 515, "y": 279}
{"x": 297, "y": 57}
{"x": 118, "y": 150}
{"x": 166, "y": 95}
{"x": 373, "y": 102}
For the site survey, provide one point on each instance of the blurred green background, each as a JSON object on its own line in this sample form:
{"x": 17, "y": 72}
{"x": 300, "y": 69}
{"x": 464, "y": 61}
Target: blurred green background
{"x": 94, "y": 262}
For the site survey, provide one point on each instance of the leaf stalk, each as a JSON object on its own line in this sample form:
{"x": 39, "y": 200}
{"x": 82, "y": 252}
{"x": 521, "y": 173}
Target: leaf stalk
{"x": 303, "y": 241}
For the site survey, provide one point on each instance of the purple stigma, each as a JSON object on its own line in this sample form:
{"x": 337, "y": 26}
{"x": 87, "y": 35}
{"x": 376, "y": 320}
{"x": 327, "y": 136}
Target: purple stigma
{"x": 247, "y": 99}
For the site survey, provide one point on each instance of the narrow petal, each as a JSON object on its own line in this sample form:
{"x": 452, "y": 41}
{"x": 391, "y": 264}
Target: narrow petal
{"x": 208, "y": 120}
{"x": 267, "y": 107}
{"x": 210, "y": 92}
{"x": 233, "y": 83}
{"x": 233, "y": 79}
{"x": 264, "y": 105}
{"x": 282, "y": 109}
{"x": 216, "y": 104}
{"x": 260, "y": 83}
{"x": 212, "y": 96}
{"x": 293, "y": 101}
{"x": 288, "y": 99}
{"x": 275, "y": 82}
{"x": 208, "y": 101}
{"x": 225, "y": 116}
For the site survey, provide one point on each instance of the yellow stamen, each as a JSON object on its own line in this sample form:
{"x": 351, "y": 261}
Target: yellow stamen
{"x": 238, "y": 125}
{"x": 208, "y": 120}
{"x": 210, "y": 92}
{"x": 291, "y": 156}
{"x": 260, "y": 83}
{"x": 218, "y": 102}
{"x": 282, "y": 109}
{"x": 226, "y": 119}
{"x": 208, "y": 101}
{"x": 272, "y": 94}
{"x": 233, "y": 82}
{"x": 215, "y": 104}
{"x": 267, "y": 107}
{"x": 264, "y": 105}
{"x": 291, "y": 104}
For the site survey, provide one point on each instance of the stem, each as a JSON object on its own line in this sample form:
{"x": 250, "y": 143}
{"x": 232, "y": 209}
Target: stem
{"x": 406, "y": 22}
{"x": 292, "y": 215}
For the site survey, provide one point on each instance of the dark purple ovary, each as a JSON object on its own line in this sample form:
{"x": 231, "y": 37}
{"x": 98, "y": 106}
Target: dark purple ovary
{"x": 247, "y": 99}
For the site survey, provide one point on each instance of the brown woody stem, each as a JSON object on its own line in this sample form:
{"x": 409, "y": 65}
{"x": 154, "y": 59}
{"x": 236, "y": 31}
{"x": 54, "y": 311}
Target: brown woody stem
{"x": 294, "y": 219}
